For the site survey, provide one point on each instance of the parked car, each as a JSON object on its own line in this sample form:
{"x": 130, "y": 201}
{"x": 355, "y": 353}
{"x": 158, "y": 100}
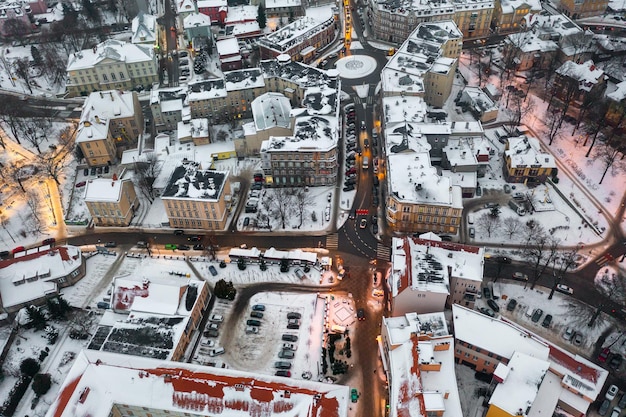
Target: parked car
{"x": 179, "y": 232}
{"x": 568, "y": 334}
{"x": 616, "y": 361}
{"x": 293, "y": 326}
{"x": 622, "y": 401}
{"x": 493, "y": 305}
{"x": 217, "y": 351}
{"x": 286, "y": 354}
{"x": 472, "y": 232}
{"x": 184, "y": 247}
{"x": 282, "y": 372}
{"x": 282, "y": 365}
{"x": 577, "y": 339}
{"x": 564, "y": 289}
{"x": 212, "y": 270}
{"x": 537, "y": 315}
{"x": 289, "y": 346}
{"x": 546, "y": 321}
{"x": 256, "y": 314}
{"x": 486, "y": 292}
{"x": 110, "y": 245}
{"x": 611, "y": 392}
{"x": 604, "y": 355}
{"x": 289, "y": 337}
{"x": 252, "y": 330}
{"x": 293, "y": 315}
{"x": 81, "y": 184}
{"x": 258, "y": 307}
{"x": 360, "y": 314}
{"x": 604, "y": 407}
{"x": 253, "y": 322}
{"x": 4, "y": 254}
{"x": 487, "y": 311}
{"x": 214, "y": 326}
{"x": 616, "y": 412}
{"x": 211, "y": 333}
{"x": 511, "y": 304}
{"x": 520, "y": 276}
{"x": 217, "y": 318}
{"x": 354, "y": 395}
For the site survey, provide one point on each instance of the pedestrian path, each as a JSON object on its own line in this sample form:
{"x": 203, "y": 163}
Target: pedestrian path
{"x": 332, "y": 241}
{"x": 383, "y": 252}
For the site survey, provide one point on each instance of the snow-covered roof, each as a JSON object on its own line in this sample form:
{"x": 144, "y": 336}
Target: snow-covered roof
{"x": 274, "y": 4}
{"x": 466, "y": 151}
{"x": 412, "y": 178}
{"x": 196, "y": 19}
{"x": 29, "y": 277}
{"x": 462, "y": 179}
{"x": 189, "y": 181}
{"x": 144, "y": 28}
{"x": 104, "y": 190}
{"x": 526, "y": 151}
{"x": 271, "y": 110}
{"x": 408, "y": 108}
{"x": 421, "y": 368}
{"x": 240, "y": 14}
{"x": 179, "y": 388}
{"x": 472, "y": 327}
{"x": 285, "y": 38}
{"x": 101, "y": 107}
{"x": 510, "y": 6}
{"x": 521, "y": 382}
{"x": 110, "y": 49}
{"x": 227, "y": 47}
{"x": 434, "y": 8}
{"x": 212, "y": 4}
{"x": 428, "y": 265}
{"x": 311, "y": 133}
{"x": 419, "y": 54}
{"x": 619, "y": 93}
{"x": 185, "y": 6}
{"x": 476, "y": 97}
{"x": 587, "y": 74}
{"x": 243, "y": 29}
{"x": 399, "y": 328}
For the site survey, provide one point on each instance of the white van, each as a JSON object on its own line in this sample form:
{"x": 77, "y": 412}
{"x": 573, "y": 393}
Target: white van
{"x": 217, "y": 351}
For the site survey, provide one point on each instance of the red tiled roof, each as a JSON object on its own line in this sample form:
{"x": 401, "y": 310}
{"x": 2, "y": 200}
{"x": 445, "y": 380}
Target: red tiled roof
{"x": 61, "y": 249}
{"x": 574, "y": 366}
{"x": 457, "y": 247}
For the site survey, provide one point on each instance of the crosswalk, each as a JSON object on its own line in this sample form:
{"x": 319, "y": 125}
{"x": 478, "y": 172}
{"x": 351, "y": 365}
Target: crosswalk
{"x": 332, "y": 241}
{"x": 369, "y": 100}
{"x": 383, "y": 252}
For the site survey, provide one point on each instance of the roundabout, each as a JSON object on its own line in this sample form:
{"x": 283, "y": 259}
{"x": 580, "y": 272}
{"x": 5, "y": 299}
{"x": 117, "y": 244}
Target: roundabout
{"x": 355, "y": 66}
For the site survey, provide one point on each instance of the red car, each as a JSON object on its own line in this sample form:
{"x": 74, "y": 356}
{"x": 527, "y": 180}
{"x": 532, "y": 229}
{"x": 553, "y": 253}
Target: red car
{"x": 18, "y": 249}
{"x": 80, "y": 184}
{"x": 604, "y": 354}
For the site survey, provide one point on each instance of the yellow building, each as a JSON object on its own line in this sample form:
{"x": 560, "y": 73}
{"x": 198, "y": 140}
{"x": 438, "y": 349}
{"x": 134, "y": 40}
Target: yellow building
{"x": 420, "y": 200}
{"x": 525, "y": 162}
{"x": 111, "y": 201}
{"x": 197, "y": 199}
{"x": 110, "y": 123}
{"x": 111, "y": 64}
{"x": 577, "y": 9}
{"x": 508, "y": 15}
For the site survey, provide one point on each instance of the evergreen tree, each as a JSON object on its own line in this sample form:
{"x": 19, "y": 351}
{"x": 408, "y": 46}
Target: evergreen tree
{"x": 261, "y": 18}
{"x": 37, "y": 318}
{"x": 29, "y": 367}
{"x": 37, "y": 58}
{"x": 41, "y": 384}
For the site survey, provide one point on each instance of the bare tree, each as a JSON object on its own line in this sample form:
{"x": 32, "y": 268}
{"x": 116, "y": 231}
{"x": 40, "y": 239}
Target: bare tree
{"x": 9, "y": 115}
{"x": 302, "y": 201}
{"x": 539, "y": 249}
{"x": 146, "y": 172}
{"x": 16, "y": 29}
{"x": 4, "y": 223}
{"x": 520, "y": 108}
{"x": 53, "y": 161}
{"x": 613, "y": 287}
{"x": 33, "y": 202}
{"x": 34, "y": 130}
{"x": 511, "y": 226}
{"x": 22, "y": 69}
{"x": 554, "y": 119}
{"x": 562, "y": 263}
{"x": 594, "y": 123}
{"x": 282, "y": 203}
{"x": 577, "y": 45}
{"x": 607, "y": 154}
{"x": 488, "y": 223}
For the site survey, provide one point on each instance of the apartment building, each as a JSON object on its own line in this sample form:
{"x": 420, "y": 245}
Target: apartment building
{"x": 580, "y": 9}
{"x": 34, "y": 276}
{"x": 191, "y": 389}
{"x": 420, "y": 199}
{"x": 511, "y": 353}
{"x": 427, "y": 274}
{"x": 301, "y": 38}
{"x": 577, "y": 83}
{"x": 217, "y": 10}
{"x": 167, "y": 107}
{"x": 195, "y": 198}
{"x": 425, "y": 64}
{"x": 111, "y": 64}
{"x": 15, "y": 16}
{"x": 111, "y": 201}
{"x": 110, "y": 123}
{"x": 145, "y": 30}
{"x": 525, "y": 162}
{"x": 418, "y": 359}
{"x": 509, "y": 15}
{"x": 394, "y": 22}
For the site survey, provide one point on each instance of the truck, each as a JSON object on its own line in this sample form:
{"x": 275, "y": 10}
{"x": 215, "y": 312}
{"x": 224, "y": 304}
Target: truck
{"x": 517, "y": 207}
{"x": 366, "y": 162}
